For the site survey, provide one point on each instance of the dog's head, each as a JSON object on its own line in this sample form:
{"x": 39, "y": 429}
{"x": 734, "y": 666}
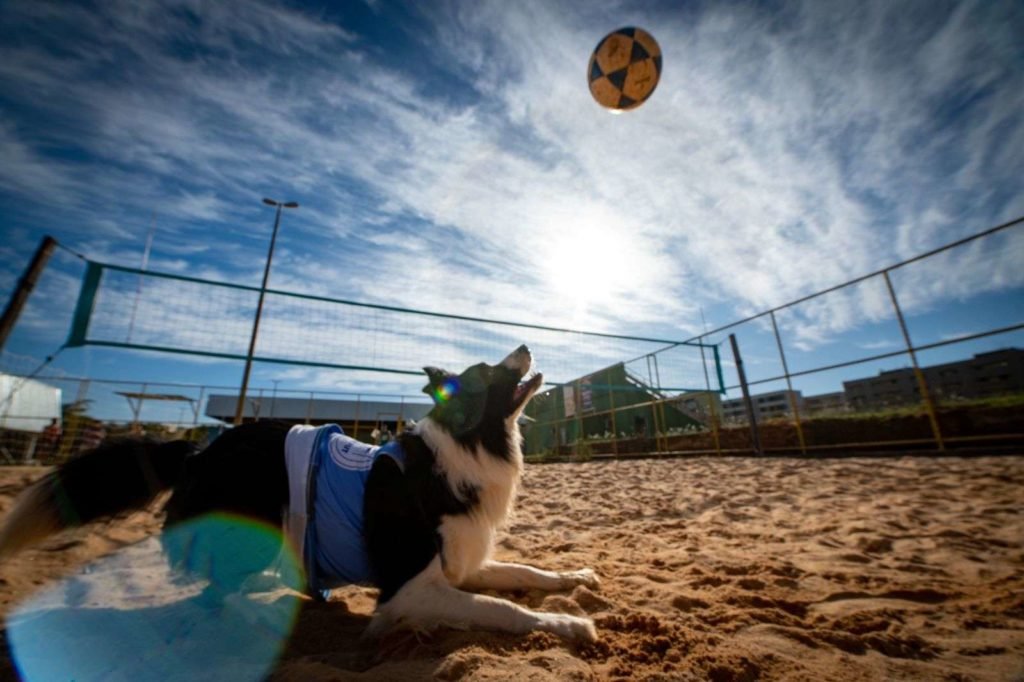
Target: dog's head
{"x": 482, "y": 404}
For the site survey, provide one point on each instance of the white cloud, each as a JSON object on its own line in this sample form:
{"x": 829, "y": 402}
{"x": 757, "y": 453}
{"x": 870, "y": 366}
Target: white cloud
{"x": 24, "y": 172}
{"x": 879, "y": 345}
{"x": 202, "y": 206}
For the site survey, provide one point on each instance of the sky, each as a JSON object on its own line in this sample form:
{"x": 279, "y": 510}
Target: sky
{"x": 448, "y": 157}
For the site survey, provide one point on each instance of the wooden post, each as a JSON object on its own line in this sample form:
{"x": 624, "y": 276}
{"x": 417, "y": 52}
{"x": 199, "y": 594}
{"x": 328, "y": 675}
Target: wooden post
{"x": 24, "y": 287}
{"x": 755, "y": 435}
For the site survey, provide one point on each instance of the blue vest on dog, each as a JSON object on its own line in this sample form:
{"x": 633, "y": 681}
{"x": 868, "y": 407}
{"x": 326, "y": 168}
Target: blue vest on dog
{"x": 334, "y": 544}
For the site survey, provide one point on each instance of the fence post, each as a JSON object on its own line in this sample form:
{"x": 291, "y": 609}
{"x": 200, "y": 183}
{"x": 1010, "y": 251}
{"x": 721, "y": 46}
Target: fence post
{"x": 24, "y": 287}
{"x": 660, "y": 407}
{"x": 70, "y": 430}
{"x": 922, "y": 385}
{"x": 611, "y": 406}
{"x": 355, "y": 428}
{"x": 137, "y": 409}
{"x": 663, "y": 431}
{"x": 755, "y": 435}
{"x": 199, "y": 406}
{"x": 789, "y": 385}
{"x": 578, "y": 401}
{"x": 711, "y": 402}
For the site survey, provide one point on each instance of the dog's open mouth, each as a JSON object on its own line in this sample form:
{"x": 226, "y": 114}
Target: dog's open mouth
{"x": 526, "y": 389}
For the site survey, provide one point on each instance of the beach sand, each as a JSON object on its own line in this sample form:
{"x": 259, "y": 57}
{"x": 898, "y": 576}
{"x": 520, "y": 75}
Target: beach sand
{"x": 711, "y": 569}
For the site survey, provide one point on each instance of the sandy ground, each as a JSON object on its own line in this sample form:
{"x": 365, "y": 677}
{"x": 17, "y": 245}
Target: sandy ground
{"x": 720, "y": 569}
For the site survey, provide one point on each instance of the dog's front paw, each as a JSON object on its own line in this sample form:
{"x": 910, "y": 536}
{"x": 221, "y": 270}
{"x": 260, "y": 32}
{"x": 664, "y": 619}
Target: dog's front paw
{"x": 572, "y": 628}
{"x": 584, "y": 576}
{"x": 380, "y": 624}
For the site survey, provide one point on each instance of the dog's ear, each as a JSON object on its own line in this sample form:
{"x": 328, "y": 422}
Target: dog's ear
{"x": 436, "y": 376}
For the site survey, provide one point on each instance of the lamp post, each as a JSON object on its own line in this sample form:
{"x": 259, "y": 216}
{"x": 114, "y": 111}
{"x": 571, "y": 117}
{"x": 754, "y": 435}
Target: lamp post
{"x": 240, "y": 407}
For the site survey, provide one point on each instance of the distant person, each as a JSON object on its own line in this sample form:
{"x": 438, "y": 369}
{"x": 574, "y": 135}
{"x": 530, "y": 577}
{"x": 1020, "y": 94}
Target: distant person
{"x": 385, "y": 437}
{"x": 49, "y": 441}
{"x": 639, "y": 426}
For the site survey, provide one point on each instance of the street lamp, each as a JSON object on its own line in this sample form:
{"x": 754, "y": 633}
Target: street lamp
{"x": 239, "y": 408}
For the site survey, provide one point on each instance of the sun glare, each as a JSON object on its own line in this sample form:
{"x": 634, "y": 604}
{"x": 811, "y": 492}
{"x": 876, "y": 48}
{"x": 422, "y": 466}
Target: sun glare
{"x": 586, "y": 265}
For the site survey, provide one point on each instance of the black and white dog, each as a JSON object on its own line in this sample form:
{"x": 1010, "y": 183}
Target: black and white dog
{"x": 429, "y": 514}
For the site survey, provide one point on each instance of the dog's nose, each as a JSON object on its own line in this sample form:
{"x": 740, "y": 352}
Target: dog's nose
{"x": 519, "y": 360}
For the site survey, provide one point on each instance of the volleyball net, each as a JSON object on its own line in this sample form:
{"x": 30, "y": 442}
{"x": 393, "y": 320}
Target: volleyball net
{"x": 129, "y": 308}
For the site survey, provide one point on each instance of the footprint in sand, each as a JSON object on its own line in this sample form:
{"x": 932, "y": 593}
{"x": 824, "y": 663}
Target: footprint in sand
{"x": 751, "y": 584}
{"x": 875, "y": 545}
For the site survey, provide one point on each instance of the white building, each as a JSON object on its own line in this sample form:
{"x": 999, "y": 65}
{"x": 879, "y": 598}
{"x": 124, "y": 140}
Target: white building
{"x": 27, "y": 404}
{"x": 766, "y": 406}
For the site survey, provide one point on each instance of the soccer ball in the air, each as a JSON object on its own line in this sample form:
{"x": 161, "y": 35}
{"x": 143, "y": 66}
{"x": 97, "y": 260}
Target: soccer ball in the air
{"x": 624, "y": 68}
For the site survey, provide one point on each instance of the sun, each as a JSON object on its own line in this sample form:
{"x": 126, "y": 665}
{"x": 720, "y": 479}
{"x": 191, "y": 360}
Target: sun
{"x": 587, "y": 265}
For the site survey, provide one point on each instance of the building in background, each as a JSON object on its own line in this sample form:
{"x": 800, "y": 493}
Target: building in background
{"x": 986, "y": 375}
{"x": 771, "y": 405}
{"x": 825, "y": 403}
{"x": 999, "y": 372}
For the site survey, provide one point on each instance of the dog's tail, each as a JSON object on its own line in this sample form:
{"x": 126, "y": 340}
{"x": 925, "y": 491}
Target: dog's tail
{"x": 115, "y": 477}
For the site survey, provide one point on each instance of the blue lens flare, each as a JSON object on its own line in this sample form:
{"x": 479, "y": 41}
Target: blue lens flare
{"x": 134, "y": 616}
{"x": 448, "y": 388}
